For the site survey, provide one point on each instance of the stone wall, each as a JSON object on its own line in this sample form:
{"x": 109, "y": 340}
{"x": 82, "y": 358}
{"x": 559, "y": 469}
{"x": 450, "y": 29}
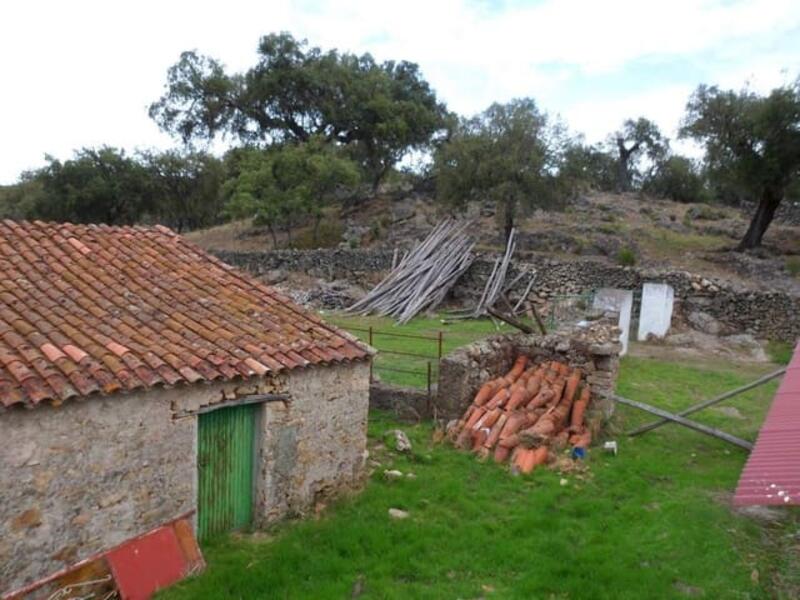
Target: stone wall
{"x": 594, "y": 349}
{"x": 316, "y": 446}
{"x": 406, "y": 403}
{"x": 762, "y": 313}
{"x": 325, "y": 263}
{"x": 87, "y": 476}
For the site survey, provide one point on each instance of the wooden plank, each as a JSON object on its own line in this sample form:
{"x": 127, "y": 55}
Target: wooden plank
{"x": 732, "y": 439}
{"x": 711, "y": 402}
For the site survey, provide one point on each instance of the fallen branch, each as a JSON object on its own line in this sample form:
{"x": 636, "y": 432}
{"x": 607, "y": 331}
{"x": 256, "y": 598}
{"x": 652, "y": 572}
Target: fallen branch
{"x": 513, "y": 321}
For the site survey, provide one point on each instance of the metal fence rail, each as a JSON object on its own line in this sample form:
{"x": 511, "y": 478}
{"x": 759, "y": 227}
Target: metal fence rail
{"x": 426, "y": 374}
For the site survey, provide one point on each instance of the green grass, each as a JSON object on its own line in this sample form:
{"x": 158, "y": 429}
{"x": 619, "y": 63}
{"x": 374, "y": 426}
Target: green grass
{"x": 454, "y": 335}
{"x": 653, "y": 522}
{"x": 665, "y": 243}
{"x": 780, "y": 352}
{"x": 626, "y": 257}
{"x": 793, "y": 266}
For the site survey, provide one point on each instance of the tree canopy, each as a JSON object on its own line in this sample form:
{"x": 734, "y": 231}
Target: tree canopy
{"x": 751, "y": 141}
{"x": 184, "y": 187}
{"x": 677, "y": 178}
{"x": 636, "y": 140}
{"x": 280, "y": 186}
{"x": 106, "y": 185}
{"x": 509, "y": 153}
{"x": 379, "y": 111}
{"x": 98, "y": 185}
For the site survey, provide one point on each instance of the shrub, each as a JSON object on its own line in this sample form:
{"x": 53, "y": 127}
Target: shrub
{"x": 677, "y": 178}
{"x": 793, "y": 266}
{"x": 329, "y": 235}
{"x": 626, "y": 257}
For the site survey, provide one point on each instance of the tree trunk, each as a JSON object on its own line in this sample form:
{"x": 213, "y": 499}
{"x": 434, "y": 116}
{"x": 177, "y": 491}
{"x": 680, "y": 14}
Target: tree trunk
{"x": 378, "y": 178}
{"x": 315, "y": 233}
{"x": 274, "y": 236}
{"x": 770, "y": 200}
{"x": 623, "y": 173}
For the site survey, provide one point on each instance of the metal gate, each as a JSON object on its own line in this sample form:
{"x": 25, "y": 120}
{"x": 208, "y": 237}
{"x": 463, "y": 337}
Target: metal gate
{"x": 225, "y": 457}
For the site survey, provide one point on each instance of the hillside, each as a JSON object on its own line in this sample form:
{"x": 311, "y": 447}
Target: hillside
{"x": 614, "y": 228}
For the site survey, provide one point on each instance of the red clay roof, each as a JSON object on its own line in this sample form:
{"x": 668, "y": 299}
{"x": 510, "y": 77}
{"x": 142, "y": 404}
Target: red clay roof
{"x": 772, "y": 472}
{"x": 88, "y": 309}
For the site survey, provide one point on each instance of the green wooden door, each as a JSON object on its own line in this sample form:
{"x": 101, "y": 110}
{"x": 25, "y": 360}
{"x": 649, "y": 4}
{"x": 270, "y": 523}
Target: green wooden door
{"x": 225, "y": 450}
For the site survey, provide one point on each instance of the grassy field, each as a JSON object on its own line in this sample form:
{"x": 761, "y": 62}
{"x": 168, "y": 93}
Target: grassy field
{"x": 653, "y": 522}
{"x": 454, "y": 334}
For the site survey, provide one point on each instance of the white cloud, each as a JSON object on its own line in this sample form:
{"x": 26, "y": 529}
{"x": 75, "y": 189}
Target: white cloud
{"x": 82, "y": 73}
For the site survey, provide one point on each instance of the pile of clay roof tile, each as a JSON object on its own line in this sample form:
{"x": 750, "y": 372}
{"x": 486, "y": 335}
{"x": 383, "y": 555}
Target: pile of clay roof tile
{"x": 525, "y": 415}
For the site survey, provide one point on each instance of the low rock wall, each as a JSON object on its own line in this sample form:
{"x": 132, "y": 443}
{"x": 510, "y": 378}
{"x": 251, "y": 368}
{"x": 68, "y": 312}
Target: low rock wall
{"x": 594, "y": 349}
{"x": 762, "y": 313}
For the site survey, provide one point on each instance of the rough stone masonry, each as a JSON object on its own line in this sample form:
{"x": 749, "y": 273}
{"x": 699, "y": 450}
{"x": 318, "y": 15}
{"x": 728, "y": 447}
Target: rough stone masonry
{"x": 84, "y": 477}
{"x": 594, "y": 348}
{"x": 762, "y": 313}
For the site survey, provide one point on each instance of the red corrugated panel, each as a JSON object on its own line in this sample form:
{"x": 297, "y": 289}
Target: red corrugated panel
{"x": 772, "y": 473}
{"x": 147, "y": 564}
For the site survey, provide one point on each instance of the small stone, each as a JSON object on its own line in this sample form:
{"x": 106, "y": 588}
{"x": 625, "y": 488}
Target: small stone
{"x": 401, "y": 441}
{"x": 392, "y": 474}
{"x": 81, "y": 520}
{"x": 111, "y": 499}
{"x": 396, "y": 513}
{"x": 26, "y": 520}
{"x": 411, "y": 476}
{"x": 564, "y": 482}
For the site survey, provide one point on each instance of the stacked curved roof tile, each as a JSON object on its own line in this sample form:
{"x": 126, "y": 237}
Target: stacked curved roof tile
{"x": 87, "y": 309}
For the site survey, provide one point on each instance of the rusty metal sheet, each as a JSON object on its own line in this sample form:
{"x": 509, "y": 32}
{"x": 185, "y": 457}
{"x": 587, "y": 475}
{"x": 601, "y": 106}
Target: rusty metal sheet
{"x": 147, "y": 564}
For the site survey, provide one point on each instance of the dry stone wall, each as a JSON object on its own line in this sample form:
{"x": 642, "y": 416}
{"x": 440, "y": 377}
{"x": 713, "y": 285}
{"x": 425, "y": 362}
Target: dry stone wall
{"x": 595, "y": 349}
{"x": 760, "y": 312}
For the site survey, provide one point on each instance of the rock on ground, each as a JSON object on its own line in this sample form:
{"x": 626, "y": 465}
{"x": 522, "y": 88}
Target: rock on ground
{"x": 401, "y": 441}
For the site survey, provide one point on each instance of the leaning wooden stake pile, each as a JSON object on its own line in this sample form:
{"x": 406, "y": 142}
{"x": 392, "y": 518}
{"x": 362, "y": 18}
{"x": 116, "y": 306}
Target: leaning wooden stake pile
{"x": 424, "y": 276}
{"x": 520, "y": 416}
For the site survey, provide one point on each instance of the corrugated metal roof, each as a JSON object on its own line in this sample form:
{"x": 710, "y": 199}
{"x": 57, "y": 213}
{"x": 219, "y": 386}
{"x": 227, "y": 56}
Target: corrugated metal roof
{"x": 772, "y": 473}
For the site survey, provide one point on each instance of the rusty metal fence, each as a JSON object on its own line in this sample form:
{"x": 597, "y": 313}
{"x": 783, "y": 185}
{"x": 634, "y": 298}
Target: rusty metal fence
{"x": 407, "y": 366}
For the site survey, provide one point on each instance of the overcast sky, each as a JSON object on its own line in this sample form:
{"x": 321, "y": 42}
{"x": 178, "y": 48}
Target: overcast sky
{"x": 78, "y": 73}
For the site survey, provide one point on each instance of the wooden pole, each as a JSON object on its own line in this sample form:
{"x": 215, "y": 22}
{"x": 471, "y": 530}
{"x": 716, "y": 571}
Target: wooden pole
{"x": 509, "y": 319}
{"x": 732, "y": 439}
{"x": 535, "y": 316}
{"x": 707, "y": 403}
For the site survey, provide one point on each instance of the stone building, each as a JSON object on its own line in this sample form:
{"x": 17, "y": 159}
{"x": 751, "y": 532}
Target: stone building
{"x": 143, "y": 381}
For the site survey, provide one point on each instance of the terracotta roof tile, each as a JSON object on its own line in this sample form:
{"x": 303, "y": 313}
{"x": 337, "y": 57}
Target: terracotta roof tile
{"x": 86, "y": 309}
